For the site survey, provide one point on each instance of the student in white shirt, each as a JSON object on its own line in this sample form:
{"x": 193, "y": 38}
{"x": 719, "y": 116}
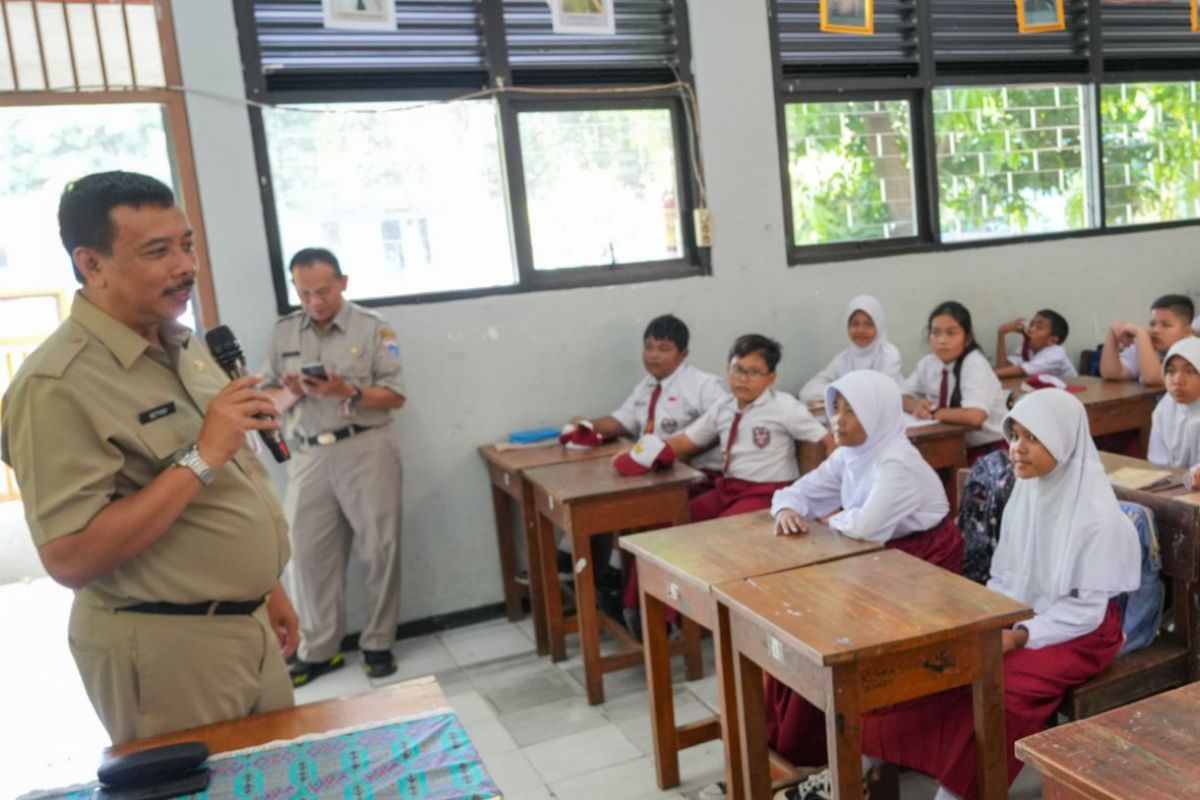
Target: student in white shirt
{"x": 670, "y": 396}
{"x": 876, "y": 487}
{"x": 755, "y": 428}
{"x": 1134, "y": 352}
{"x": 869, "y": 349}
{"x": 1067, "y": 550}
{"x": 1175, "y": 424}
{"x": 1041, "y": 351}
{"x": 955, "y": 383}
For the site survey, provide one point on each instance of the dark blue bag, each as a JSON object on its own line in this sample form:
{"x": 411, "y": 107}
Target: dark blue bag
{"x": 1142, "y": 608}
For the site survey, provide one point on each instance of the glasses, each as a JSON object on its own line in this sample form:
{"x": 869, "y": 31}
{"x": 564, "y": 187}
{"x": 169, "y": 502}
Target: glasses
{"x": 742, "y": 372}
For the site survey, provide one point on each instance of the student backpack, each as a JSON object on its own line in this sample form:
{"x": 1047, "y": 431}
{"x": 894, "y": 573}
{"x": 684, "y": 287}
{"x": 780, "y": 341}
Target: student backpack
{"x": 987, "y": 488}
{"x": 1143, "y": 607}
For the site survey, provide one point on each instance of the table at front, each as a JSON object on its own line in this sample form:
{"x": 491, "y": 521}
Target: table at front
{"x": 422, "y": 695}
{"x": 588, "y": 499}
{"x": 506, "y": 468}
{"x": 861, "y": 633}
{"x": 677, "y": 568}
{"x": 1143, "y": 751}
{"x": 1112, "y": 406}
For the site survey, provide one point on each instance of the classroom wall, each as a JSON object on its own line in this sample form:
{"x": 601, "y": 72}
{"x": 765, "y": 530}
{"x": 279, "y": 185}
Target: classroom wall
{"x": 477, "y": 369}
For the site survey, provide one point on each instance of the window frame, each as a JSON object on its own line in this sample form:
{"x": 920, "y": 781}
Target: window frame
{"x": 849, "y": 87}
{"x": 694, "y": 261}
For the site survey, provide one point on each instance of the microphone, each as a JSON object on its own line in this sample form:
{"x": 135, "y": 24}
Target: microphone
{"x": 228, "y": 352}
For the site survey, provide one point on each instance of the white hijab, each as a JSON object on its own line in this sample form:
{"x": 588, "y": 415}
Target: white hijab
{"x": 874, "y": 355}
{"x": 1064, "y": 531}
{"x": 1179, "y": 425}
{"x": 876, "y": 401}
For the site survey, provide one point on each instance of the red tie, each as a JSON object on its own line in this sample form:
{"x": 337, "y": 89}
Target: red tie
{"x": 653, "y": 405}
{"x": 729, "y": 445}
{"x": 1025, "y": 349}
{"x": 942, "y": 392}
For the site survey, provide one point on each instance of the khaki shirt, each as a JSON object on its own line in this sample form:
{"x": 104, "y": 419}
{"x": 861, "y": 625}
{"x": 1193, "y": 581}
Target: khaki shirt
{"x": 357, "y": 344}
{"x": 95, "y": 414}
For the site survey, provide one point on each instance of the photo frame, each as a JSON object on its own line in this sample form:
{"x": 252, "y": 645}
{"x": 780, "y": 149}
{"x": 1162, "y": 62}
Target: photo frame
{"x": 587, "y": 17}
{"x": 360, "y": 15}
{"x": 1040, "y": 16}
{"x": 848, "y": 16}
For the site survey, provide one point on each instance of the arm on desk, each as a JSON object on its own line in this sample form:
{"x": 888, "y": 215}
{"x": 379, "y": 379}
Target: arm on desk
{"x": 608, "y": 427}
{"x": 970, "y": 417}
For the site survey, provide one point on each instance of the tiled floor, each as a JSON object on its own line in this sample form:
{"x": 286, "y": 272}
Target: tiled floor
{"x": 529, "y": 718}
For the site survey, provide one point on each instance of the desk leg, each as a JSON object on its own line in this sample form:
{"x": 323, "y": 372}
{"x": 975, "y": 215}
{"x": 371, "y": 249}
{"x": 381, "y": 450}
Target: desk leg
{"x": 843, "y": 732}
{"x": 508, "y": 565}
{"x": 551, "y": 596}
{"x": 533, "y": 551}
{"x": 589, "y": 620}
{"x": 990, "y": 744}
{"x": 727, "y": 688}
{"x": 693, "y": 656}
{"x": 752, "y": 725}
{"x": 658, "y": 685}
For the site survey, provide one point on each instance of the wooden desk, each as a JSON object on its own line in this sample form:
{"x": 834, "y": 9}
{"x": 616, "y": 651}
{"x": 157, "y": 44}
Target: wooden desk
{"x": 586, "y": 499}
{"x": 506, "y": 470}
{"x": 1143, "y": 751}
{"x": 862, "y": 633}
{"x": 417, "y": 696}
{"x": 1112, "y": 406}
{"x": 677, "y": 568}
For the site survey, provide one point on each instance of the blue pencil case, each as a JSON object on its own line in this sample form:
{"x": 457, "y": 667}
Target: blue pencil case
{"x": 533, "y": 435}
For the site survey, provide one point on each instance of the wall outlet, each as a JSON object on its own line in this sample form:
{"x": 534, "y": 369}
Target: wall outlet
{"x": 703, "y": 224}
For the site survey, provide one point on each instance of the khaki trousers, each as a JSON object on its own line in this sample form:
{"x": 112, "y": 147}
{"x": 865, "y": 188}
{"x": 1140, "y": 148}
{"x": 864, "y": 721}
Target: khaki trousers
{"x": 148, "y": 674}
{"x": 348, "y": 490}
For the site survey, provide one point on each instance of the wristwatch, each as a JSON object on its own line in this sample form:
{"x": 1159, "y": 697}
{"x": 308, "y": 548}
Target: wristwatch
{"x": 190, "y": 459}
{"x": 355, "y": 398}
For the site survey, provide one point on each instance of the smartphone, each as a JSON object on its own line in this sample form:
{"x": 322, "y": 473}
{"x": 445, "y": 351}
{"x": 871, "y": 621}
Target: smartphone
{"x": 315, "y": 370}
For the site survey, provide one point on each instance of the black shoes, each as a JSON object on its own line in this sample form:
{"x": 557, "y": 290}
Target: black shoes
{"x": 305, "y": 672}
{"x": 378, "y": 663}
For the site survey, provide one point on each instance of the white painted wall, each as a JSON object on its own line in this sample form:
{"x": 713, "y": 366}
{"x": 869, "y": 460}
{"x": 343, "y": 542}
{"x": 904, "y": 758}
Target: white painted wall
{"x": 478, "y": 369}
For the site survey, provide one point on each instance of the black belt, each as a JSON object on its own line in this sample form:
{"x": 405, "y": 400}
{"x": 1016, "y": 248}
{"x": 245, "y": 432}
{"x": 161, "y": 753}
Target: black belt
{"x": 333, "y": 437}
{"x": 220, "y": 608}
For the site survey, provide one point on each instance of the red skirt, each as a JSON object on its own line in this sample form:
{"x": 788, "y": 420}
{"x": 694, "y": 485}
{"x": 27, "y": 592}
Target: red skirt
{"x": 795, "y": 727}
{"x": 936, "y": 734}
{"x": 728, "y": 497}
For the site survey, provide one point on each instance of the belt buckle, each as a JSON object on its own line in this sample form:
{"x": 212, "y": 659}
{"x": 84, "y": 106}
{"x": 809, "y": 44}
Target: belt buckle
{"x": 212, "y": 608}
{"x": 327, "y": 438}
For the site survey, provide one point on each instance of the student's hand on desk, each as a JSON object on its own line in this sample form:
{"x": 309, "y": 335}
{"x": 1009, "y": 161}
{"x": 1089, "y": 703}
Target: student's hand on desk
{"x": 1013, "y": 638}
{"x": 788, "y": 523}
{"x": 336, "y": 387}
{"x": 923, "y": 410}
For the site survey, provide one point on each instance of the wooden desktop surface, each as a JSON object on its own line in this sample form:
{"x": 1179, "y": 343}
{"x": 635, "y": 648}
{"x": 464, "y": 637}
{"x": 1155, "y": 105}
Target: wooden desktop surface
{"x": 1143, "y": 751}
{"x": 421, "y": 695}
{"x": 1097, "y": 391}
{"x": 598, "y": 478}
{"x": 518, "y": 459}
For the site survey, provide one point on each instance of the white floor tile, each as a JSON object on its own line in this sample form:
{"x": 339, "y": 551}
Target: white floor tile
{"x": 552, "y": 720}
{"x": 514, "y": 685}
{"x": 581, "y": 753}
{"x": 631, "y": 780}
{"x": 471, "y": 705}
{"x": 474, "y": 645}
{"x": 422, "y": 655}
{"x": 516, "y": 777}
{"x": 489, "y": 737}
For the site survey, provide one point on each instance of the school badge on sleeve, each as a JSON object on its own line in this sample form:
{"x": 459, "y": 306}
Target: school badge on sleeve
{"x": 389, "y": 341}
{"x": 762, "y": 436}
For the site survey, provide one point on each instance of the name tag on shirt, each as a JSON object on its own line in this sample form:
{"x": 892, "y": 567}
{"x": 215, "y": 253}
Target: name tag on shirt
{"x": 158, "y": 412}
{"x": 291, "y": 353}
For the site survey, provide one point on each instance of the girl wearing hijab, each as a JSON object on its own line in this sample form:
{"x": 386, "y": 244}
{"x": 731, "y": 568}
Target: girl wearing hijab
{"x": 1066, "y": 550}
{"x": 869, "y": 349}
{"x": 1175, "y": 425}
{"x": 876, "y": 487}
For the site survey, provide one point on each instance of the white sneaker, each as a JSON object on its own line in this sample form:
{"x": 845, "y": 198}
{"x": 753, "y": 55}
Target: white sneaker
{"x": 818, "y": 786}
{"x": 714, "y": 791}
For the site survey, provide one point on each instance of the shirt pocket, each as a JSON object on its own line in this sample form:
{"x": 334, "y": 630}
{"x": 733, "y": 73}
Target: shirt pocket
{"x": 165, "y": 437}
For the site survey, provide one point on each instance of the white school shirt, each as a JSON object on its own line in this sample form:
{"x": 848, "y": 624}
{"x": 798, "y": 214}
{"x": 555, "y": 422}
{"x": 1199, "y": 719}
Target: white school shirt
{"x": 765, "y": 448}
{"x": 980, "y": 389}
{"x": 843, "y": 363}
{"x": 1129, "y": 357}
{"x": 905, "y": 496}
{"x": 1071, "y": 617}
{"x": 686, "y": 394}
{"x": 1050, "y": 360}
{"x": 1175, "y": 427}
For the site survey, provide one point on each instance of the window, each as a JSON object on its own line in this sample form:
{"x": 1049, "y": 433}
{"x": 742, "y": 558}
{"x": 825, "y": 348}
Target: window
{"x": 1151, "y": 152}
{"x": 554, "y": 182}
{"x": 1010, "y": 161}
{"x": 995, "y": 134}
{"x": 850, "y": 171}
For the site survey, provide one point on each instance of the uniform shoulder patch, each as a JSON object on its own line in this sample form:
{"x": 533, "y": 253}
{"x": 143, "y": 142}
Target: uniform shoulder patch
{"x": 54, "y": 355}
{"x": 387, "y": 333}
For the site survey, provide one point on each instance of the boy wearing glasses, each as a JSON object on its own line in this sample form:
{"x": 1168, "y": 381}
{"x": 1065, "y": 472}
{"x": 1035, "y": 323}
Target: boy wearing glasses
{"x": 757, "y": 429}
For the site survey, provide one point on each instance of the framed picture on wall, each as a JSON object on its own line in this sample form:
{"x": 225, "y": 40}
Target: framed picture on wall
{"x": 848, "y": 16}
{"x": 360, "y": 14}
{"x": 594, "y": 17}
{"x": 1038, "y": 16}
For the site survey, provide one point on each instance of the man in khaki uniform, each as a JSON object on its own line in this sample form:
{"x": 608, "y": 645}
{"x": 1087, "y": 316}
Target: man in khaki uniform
{"x": 129, "y": 445}
{"x": 344, "y": 477}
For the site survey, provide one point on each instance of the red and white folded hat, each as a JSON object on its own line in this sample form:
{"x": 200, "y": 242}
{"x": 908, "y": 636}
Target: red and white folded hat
{"x": 1047, "y": 381}
{"x": 648, "y": 453}
{"x": 580, "y": 437}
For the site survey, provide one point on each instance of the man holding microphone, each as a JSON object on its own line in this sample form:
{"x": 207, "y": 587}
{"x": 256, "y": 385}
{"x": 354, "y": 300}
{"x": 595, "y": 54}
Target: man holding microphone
{"x": 130, "y": 448}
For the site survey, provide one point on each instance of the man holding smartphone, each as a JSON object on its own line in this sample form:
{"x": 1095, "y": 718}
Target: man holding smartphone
{"x": 334, "y": 368}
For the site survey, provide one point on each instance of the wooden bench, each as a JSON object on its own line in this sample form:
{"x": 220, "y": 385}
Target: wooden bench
{"x": 1171, "y": 660}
